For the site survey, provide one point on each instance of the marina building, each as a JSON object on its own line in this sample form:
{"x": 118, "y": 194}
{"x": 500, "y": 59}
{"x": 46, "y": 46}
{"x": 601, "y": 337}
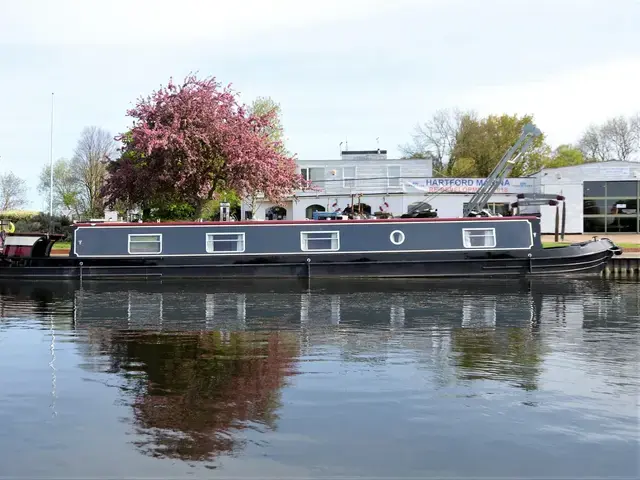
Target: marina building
{"x": 600, "y": 197}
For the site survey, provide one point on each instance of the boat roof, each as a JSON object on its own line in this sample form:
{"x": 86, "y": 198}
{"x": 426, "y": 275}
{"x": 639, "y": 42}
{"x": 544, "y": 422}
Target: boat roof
{"x": 55, "y": 236}
{"x": 306, "y": 222}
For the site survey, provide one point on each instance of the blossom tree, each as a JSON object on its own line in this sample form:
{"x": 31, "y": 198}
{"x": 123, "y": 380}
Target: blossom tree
{"x": 193, "y": 140}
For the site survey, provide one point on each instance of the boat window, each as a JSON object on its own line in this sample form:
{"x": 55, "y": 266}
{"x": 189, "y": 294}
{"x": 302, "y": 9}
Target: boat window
{"x": 397, "y": 237}
{"x": 225, "y": 242}
{"x": 479, "y": 237}
{"x": 145, "y": 243}
{"x": 319, "y": 241}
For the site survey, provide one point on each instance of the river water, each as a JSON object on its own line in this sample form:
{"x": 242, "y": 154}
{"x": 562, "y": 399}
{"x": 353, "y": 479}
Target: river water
{"x": 344, "y": 379}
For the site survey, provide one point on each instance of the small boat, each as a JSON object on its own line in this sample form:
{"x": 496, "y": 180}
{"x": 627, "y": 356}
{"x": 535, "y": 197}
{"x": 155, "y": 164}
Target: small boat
{"x": 353, "y": 248}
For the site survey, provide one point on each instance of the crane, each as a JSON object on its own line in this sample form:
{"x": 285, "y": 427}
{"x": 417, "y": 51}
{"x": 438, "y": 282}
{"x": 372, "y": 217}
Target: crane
{"x": 501, "y": 171}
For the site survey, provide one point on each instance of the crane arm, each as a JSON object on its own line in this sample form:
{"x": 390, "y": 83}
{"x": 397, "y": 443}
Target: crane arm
{"x": 502, "y": 169}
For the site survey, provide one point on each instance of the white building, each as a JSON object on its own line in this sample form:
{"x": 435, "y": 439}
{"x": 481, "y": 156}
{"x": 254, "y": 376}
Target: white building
{"x": 368, "y": 178}
{"x": 371, "y": 181}
{"x": 599, "y": 197}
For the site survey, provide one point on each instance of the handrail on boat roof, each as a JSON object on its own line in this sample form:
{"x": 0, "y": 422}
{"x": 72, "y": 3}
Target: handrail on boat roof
{"x": 308, "y": 221}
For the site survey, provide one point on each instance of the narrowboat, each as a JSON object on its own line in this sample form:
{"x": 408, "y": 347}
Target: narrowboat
{"x": 351, "y": 248}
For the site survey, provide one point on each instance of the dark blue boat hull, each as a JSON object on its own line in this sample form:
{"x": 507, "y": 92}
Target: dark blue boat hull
{"x": 588, "y": 258}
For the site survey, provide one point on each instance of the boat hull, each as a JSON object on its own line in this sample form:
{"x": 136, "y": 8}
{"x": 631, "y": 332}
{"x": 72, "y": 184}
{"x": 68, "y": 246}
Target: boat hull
{"x": 583, "y": 259}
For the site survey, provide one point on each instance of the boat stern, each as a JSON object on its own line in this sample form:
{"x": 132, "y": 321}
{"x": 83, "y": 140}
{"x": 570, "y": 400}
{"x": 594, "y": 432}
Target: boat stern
{"x": 587, "y": 257}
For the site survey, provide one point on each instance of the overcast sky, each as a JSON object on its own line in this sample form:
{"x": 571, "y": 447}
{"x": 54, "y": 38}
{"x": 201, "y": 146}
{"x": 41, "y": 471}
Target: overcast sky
{"x": 340, "y": 69}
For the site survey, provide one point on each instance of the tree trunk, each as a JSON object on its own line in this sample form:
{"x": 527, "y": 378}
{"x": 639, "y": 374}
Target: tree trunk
{"x": 199, "y": 208}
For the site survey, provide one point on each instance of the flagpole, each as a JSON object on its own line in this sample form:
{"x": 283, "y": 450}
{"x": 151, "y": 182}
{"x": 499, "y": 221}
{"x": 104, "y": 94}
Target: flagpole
{"x": 51, "y": 171}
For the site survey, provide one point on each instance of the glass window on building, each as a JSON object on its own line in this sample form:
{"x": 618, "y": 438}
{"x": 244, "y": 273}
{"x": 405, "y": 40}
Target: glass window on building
{"x": 611, "y": 207}
{"x": 594, "y": 189}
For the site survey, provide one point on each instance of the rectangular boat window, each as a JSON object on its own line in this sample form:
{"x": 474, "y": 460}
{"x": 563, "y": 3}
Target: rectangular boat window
{"x": 479, "y": 237}
{"x": 320, "y": 241}
{"x": 225, "y": 242}
{"x": 145, "y": 244}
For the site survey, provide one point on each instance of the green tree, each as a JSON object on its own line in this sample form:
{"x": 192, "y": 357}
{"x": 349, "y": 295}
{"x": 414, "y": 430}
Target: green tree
{"x": 66, "y": 187}
{"x": 267, "y": 107}
{"x": 565, "y": 156}
{"x": 463, "y": 167}
{"x": 180, "y": 210}
{"x": 484, "y": 142}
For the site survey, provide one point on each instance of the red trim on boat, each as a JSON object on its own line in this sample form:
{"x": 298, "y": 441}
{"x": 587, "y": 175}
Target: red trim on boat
{"x": 305, "y": 222}
{"x": 17, "y": 250}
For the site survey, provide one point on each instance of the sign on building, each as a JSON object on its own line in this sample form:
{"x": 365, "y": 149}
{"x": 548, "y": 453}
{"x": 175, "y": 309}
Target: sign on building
{"x": 472, "y": 185}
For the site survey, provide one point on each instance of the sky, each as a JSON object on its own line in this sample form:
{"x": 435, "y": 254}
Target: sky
{"x": 353, "y": 70}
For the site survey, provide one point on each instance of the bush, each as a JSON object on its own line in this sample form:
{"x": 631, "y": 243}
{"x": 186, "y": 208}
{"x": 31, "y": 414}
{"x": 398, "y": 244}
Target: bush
{"x": 171, "y": 211}
{"x": 26, "y": 221}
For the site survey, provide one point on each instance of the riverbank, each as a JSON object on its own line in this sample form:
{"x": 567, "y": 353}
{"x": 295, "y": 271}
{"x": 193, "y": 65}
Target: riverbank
{"x": 630, "y": 243}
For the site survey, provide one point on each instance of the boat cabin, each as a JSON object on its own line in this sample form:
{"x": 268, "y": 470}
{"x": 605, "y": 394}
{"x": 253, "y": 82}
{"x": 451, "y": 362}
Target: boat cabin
{"x": 305, "y": 238}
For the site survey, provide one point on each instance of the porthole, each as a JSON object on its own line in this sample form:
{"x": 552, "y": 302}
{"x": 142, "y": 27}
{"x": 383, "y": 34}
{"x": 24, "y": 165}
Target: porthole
{"x": 397, "y": 237}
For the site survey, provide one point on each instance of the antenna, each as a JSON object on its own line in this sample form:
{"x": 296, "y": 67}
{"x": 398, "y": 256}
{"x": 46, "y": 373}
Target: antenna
{"x": 378, "y": 143}
{"x": 346, "y": 143}
{"x": 51, "y": 171}
{"x": 340, "y": 149}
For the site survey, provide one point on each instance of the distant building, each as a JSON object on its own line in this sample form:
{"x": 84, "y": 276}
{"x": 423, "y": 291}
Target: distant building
{"x": 371, "y": 181}
{"x": 365, "y": 177}
{"x": 600, "y": 197}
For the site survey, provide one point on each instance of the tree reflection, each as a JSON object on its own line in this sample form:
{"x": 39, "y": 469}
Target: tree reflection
{"x": 192, "y": 393}
{"x": 511, "y": 354}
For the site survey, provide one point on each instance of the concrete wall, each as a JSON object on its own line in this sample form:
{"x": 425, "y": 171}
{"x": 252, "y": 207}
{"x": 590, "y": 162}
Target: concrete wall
{"x": 573, "y": 194}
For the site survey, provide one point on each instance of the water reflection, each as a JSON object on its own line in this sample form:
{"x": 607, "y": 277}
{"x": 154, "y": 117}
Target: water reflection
{"x": 513, "y": 354}
{"x": 192, "y": 393}
{"x": 202, "y": 368}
